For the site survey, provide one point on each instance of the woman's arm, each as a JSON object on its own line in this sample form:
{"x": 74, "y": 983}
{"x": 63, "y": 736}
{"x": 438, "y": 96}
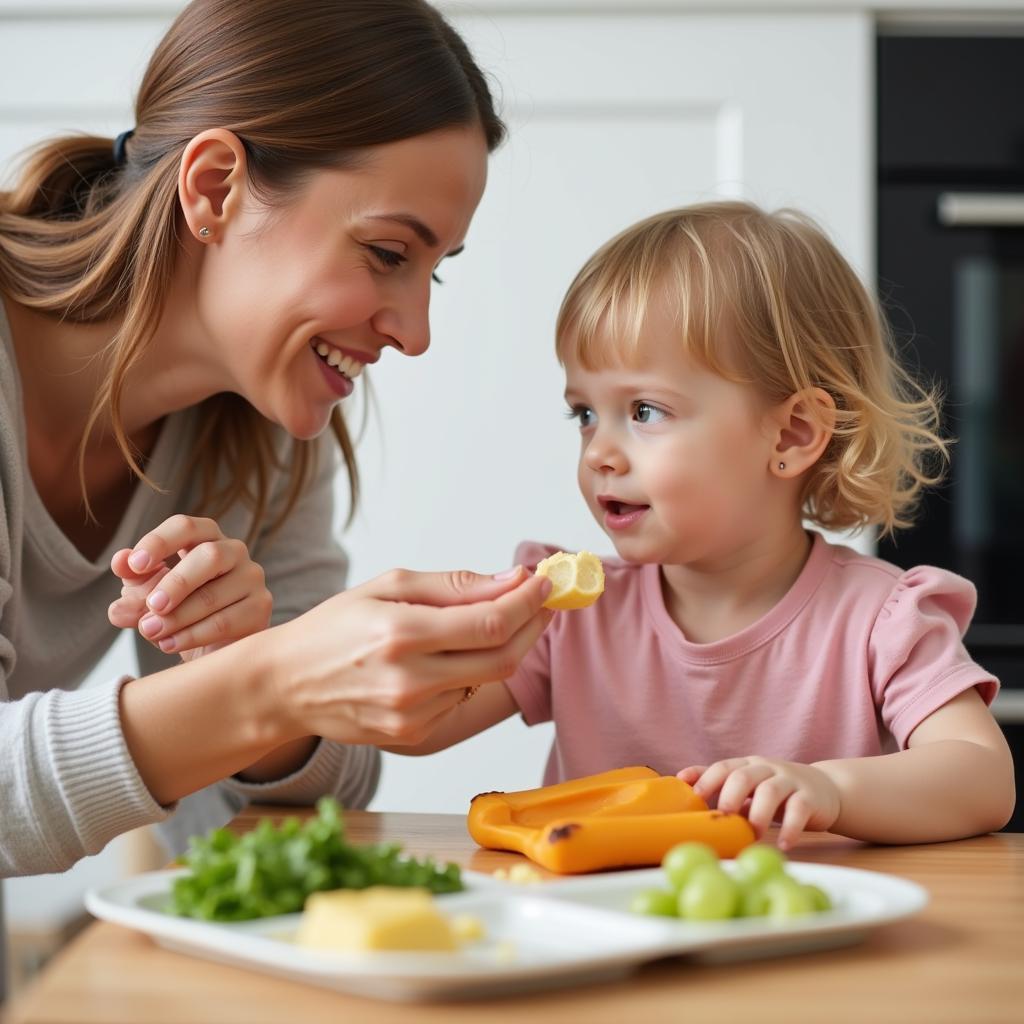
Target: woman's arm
{"x": 379, "y": 664}
{"x": 955, "y": 779}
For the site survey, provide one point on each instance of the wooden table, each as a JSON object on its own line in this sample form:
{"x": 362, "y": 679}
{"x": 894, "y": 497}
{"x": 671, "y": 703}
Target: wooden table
{"x": 961, "y": 960}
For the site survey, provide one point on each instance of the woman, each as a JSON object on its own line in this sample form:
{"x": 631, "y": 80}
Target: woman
{"x": 182, "y": 312}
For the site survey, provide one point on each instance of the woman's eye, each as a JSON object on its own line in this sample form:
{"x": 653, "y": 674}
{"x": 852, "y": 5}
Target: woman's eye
{"x": 645, "y": 413}
{"x": 435, "y": 278}
{"x": 580, "y": 413}
{"x": 387, "y": 257}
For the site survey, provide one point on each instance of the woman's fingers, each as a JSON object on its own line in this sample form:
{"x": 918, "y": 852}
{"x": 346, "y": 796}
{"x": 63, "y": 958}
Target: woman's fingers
{"x": 171, "y": 536}
{"x": 130, "y": 607}
{"x": 219, "y": 627}
{"x": 213, "y": 601}
{"x": 455, "y": 670}
{"x": 193, "y": 576}
{"x": 485, "y": 625}
{"x": 442, "y": 589}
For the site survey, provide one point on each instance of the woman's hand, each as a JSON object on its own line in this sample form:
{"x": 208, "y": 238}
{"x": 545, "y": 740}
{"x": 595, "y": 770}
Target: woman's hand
{"x": 805, "y": 796}
{"x": 189, "y": 589}
{"x": 383, "y": 662}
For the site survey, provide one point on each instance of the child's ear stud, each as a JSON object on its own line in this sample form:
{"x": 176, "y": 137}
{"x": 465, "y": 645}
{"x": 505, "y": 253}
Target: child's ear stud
{"x": 204, "y": 232}
{"x": 782, "y": 465}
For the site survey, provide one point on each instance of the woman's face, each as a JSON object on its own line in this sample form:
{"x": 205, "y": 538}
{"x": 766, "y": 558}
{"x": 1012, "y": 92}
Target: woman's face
{"x": 294, "y": 301}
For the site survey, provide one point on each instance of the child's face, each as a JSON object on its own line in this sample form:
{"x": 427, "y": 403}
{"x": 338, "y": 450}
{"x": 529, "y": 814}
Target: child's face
{"x": 674, "y": 460}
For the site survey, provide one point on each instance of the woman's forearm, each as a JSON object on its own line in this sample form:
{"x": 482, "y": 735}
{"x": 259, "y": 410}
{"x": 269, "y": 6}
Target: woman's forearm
{"x": 938, "y": 791}
{"x": 204, "y": 720}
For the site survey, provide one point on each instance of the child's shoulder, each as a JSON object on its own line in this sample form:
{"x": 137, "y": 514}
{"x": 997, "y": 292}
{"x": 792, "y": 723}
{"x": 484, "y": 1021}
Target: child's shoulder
{"x": 874, "y": 583}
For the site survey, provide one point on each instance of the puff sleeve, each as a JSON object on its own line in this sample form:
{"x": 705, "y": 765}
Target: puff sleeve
{"x": 916, "y": 657}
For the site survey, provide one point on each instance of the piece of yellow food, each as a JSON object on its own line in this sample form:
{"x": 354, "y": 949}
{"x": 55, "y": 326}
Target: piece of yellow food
{"x": 577, "y": 580}
{"x": 468, "y": 928}
{"x": 378, "y": 918}
{"x": 520, "y": 874}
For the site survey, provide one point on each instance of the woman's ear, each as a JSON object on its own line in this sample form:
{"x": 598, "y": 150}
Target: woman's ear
{"x": 211, "y": 181}
{"x": 803, "y": 426}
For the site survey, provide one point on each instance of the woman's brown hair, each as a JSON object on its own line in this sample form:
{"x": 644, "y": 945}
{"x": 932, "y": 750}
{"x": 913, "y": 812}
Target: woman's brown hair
{"x": 305, "y": 85}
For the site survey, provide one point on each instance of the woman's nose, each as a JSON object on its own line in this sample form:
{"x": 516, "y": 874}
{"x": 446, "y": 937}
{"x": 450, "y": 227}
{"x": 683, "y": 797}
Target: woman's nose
{"x": 407, "y": 323}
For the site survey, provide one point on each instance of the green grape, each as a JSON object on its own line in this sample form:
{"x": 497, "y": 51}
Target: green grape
{"x": 788, "y": 898}
{"x": 758, "y": 863}
{"x": 654, "y": 903}
{"x": 708, "y": 895}
{"x": 682, "y": 860}
{"x": 753, "y": 900}
{"x": 819, "y": 897}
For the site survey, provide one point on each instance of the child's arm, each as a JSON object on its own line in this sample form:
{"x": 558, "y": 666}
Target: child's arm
{"x": 954, "y": 780}
{"x": 491, "y": 704}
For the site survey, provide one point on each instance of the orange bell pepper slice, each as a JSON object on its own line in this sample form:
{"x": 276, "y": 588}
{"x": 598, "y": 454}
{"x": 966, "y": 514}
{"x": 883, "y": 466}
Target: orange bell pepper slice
{"x": 629, "y": 817}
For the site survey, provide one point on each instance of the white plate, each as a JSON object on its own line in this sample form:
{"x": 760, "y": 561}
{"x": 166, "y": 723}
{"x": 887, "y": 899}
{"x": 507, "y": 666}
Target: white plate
{"x": 565, "y": 932}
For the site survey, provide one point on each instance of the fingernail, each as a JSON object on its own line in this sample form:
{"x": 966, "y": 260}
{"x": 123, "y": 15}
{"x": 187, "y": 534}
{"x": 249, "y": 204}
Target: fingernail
{"x": 139, "y": 560}
{"x": 167, "y": 645}
{"x": 150, "y": 625}
{"x": 508, "y": 573}
{"x": 158, "y": 600}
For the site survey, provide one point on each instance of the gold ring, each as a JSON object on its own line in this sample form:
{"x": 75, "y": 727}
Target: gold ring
{"x": 467, "y": 694}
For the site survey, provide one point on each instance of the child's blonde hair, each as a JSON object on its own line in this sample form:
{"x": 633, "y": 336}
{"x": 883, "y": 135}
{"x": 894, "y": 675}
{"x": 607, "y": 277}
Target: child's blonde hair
{"x": 766, "y": 299}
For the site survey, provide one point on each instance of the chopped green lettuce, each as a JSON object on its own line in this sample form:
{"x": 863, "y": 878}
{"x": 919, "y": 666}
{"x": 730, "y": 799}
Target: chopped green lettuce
{"x": 272, "y": 870}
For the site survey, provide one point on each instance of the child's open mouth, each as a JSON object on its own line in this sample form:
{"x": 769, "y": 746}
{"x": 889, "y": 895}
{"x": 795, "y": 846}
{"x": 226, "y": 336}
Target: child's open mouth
{"x": 619, "y": 515}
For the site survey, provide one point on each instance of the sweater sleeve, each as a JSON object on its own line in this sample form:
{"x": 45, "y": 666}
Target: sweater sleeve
{"x": 68, "y": 784}
{"x": 304, "y": 565}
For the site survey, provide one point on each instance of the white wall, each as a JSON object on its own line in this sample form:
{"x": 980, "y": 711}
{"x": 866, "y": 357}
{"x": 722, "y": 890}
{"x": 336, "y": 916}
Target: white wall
{"x": 612, "y": 117}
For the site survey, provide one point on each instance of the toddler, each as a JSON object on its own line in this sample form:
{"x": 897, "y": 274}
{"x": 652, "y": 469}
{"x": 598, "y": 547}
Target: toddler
{"x": 732, "y": 380}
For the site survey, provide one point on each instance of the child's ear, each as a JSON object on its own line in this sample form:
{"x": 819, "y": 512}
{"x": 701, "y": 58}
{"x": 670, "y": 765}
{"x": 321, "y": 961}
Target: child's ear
{"x": 803, "y": 428}
{"x": 211, "y": 180}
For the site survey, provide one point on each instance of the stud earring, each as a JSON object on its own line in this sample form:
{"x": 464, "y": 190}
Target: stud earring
{"x": 782, "y": 465}
{"x": 204, "y": 232}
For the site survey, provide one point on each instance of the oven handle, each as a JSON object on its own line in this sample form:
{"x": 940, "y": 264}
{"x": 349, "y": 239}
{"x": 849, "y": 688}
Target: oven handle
{"x": 981, "y": 209}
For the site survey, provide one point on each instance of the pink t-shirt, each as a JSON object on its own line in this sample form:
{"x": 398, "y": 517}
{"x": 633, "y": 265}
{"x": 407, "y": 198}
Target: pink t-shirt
{"x": 854, "y": 657}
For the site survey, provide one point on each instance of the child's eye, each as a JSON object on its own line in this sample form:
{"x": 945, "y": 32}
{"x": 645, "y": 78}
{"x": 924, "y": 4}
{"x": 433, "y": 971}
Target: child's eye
{"x": 435, "y": 278}
{"x": 388, "y": 258}
{"x": 582, "y": 414}
{"x": 644, "y": 412}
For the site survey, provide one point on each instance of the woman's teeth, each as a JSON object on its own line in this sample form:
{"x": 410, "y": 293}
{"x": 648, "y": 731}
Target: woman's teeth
{"x": 346, "y": 365}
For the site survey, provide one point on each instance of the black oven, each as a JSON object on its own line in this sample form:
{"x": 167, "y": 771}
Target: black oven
{"x": 951, "y": 275}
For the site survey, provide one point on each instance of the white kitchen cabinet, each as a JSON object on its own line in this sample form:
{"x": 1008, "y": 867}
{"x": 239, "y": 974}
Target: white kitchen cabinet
{"x": 613, "y": 116}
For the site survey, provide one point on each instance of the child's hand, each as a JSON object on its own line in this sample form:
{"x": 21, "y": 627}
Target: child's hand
{"x": 213, "y": 594}
{"x": 805, "y": 796}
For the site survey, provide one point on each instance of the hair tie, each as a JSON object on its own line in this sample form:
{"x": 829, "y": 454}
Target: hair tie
{"x": 119, "y": 144}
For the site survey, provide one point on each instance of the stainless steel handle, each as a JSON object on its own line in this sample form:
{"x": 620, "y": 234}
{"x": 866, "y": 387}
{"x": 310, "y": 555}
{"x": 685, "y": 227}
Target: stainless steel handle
{"x": 981, "y": 209}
